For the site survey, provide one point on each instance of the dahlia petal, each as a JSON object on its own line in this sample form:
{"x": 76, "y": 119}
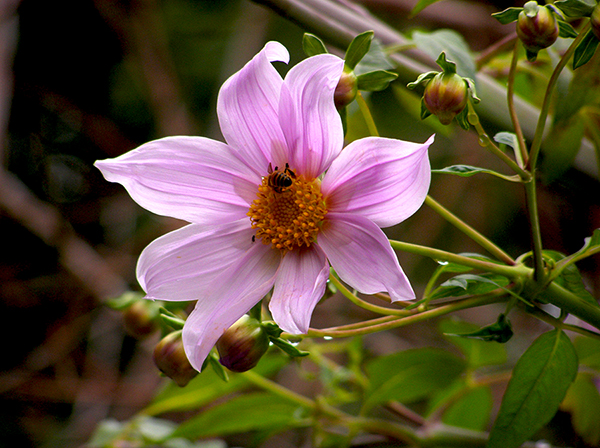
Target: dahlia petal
{"x": 384, "y": 180}
{"x": 182, "y": 264}
{"x": 247, "y": 108}
{"x": 191, "y": 178}
{"x": 299, "y": 285}
{"x": 307, "y": 114}
{"x": 361, "y": 255}
{"x": 241, "y": 286}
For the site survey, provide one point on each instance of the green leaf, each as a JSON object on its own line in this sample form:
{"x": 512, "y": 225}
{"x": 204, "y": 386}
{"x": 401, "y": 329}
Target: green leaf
{"x": 411, "y": 375}
{"x": 468, "y": 171}
{"x": 575, "y": 8}
{"x": 561, "y": 146}
{"x": 375, "y": 81}
{"x": 455, "y": 268}
{"x": 421, "y": 5}
{"x": 585, "y": 50}
{"x": 583, "y": 403}
{"x": 588, "y": 352}
{"x": 249, "y": 412}
{"x": 358, "y": 48}
{"x": 538, "y": 384}
{"x": 507, "y": 138}
{"x": 312, "y": 45}
{"x": 288, "y": 347}
{"x": 591, "y": 246}
{"x": 375, "y": 59}
{"x": 452, "y": 44}
{"x": 479, "y": 353}
{"x": 469, "y": 284}
{"x": 570, "y": 278}
{"x": 500, "y": 331}
{"x": 207, "y": 387}
{"x": 472, "y": 410}
{"x": 508, "y": 15}
{"x": 565, "y": 30}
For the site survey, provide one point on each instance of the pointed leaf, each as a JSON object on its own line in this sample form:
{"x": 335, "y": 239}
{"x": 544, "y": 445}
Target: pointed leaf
{"x": 375, "y": 81}
{"x": 243, "y": 413}
{"x": 468, "y": 171}
{"x": 565, "y": 30}
{"x": 570, "y": 278}
{"x": 478, "y": 352}
{"x": 507, "y": 138}
{"x": 575, "y": 8}
{"x": 358, "y": 48}
{"x": 312, "y": 45}
{"x": 500, "y": 331}
{"x": 288, "y": 347}
{"x": 452, "y": 44}
{"x": 421, "y": 5}
{"x": 508, "y": 15}
{"x": 585, "y": 50}
{"x": 468, "y": 284}
{"x": 411, "y": 375}
{"x": 472, "y": 410}
{"x": 539, "y": 383}
{"x": 583, "y": 403}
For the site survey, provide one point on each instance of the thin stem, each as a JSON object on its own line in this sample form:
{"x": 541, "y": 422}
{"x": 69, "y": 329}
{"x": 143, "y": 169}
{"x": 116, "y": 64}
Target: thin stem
{"x": 472, "y": 302}
{"x": 488, "y": 143}
{"x": 364, "y": 109}
{"x": 495, "y": 49}
{"x": 469, "y": 231}
{"x": 521, "y": 151}
{"x": 364, "y": 304}
{"x": 280, "y": 391}
{"x": 513, "y": 272}
{"x": 541, "y": 124}
{"x": 535, "y": 229}
{"x": 557, "y": 323}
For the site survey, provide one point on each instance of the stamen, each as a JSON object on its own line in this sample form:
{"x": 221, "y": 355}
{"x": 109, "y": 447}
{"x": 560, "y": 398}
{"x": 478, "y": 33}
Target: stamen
{"x": 288, "y": 211}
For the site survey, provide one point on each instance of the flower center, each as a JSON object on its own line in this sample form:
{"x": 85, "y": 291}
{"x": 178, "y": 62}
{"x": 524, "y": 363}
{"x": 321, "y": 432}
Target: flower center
{"x": 288, "y": 211}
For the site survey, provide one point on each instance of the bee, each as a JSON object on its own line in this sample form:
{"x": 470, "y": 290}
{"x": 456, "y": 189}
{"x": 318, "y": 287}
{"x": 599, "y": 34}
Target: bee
{"x": 279, "y": 181}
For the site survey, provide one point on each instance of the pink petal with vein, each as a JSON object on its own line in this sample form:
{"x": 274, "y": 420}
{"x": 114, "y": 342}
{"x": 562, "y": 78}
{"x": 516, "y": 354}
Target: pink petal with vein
{"x": 361, "y": 255}
{"x": 299, "y": 286}
{"x": 384, "y": 180}
{"x": 231, "y": 295}
{"x": 307, "y": 114}
{"x": 248, "y": 105}
{"x": 183, "y": 264}
{"x": 191, "y": 178}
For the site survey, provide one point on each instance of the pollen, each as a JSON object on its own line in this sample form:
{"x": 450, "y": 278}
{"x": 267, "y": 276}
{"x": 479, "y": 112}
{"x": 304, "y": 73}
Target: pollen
{"x": 288, "y": 218}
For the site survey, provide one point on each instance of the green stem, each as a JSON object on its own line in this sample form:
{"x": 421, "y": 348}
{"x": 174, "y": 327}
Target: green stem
{"x": 521, "y": 151}
{"x": 541, "y": 124}
{"x": 280, "y": 391}
{"x": 469, "y": 231}
{"x": 364, "y": 304}
{"x": 557, "y": 323}
{"x": 571, "y": 303}
{"x": 364, "y": 109}
{"x": 512, "y": 272}
{"x": 488, "y": 143}
{"x": 536, "y": 232}
{"x": 472, "y": 302}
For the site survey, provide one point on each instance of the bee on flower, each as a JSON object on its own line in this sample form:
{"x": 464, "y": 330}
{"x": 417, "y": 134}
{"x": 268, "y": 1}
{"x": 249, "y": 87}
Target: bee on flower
{"x": 252, "y": 231}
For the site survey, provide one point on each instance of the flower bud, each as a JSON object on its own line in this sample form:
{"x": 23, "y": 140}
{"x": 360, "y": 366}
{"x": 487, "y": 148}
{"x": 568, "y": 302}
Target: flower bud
{"x": 446, "y": 95}
{"x": 346, "y": 90}
{"x": 139, "y": 319}
{"x": 595, "y": 19}
{"x": 242, "y": 345}
{"x": 537, "y": 31}
{"x": 170, "y": 358}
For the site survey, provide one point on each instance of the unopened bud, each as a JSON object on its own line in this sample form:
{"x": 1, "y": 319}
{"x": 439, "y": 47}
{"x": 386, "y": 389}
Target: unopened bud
{"x": 170, "y": 358}
{"x": 139, "y": 319}
{"x": 346, "y": 90}
{"x": 243, "y": 344}
{"x": 446, "y": 95}
{"x": 537, "y": 27}
{"x": 595, "y": 19}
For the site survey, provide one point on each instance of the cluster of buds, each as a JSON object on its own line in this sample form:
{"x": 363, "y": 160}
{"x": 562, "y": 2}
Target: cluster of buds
{"x": 446, "y": 93}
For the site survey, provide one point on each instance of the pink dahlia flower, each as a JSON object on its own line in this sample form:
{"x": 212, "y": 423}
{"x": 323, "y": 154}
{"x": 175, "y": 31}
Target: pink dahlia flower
{"x": 275, "y": 205}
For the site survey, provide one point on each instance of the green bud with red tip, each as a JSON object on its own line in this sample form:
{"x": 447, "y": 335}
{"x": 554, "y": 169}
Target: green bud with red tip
{"x": 446, "y": 93}
{"x": 170, "y": 358}
{"x": 346, "y": 89}
{"x": 243, "y": 344}
{"x": 537, "y": 28}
